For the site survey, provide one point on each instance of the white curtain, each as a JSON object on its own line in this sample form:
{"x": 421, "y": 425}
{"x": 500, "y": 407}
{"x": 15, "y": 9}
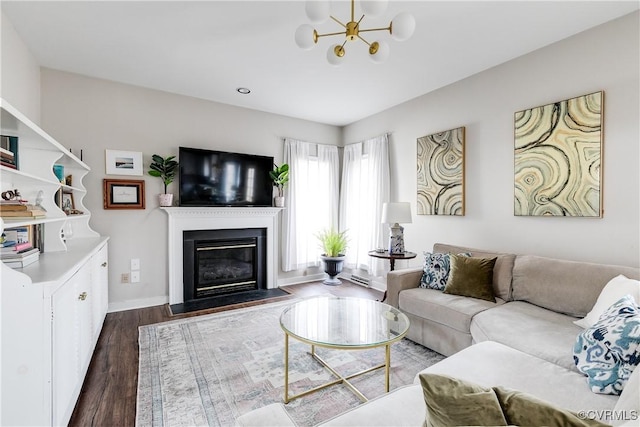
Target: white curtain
{"x": 365, "y": 187}
{"x": 312, "y": 198}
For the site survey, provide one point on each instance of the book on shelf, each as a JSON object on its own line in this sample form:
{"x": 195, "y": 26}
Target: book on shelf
{"x": 9, "y": 144}
{"x": 22, "y": 262}
{"x": 21, "y": 255}
{"x": 19, "y": 206}
{"x": 14, "y": 237}
{"x": 28, "y": 213}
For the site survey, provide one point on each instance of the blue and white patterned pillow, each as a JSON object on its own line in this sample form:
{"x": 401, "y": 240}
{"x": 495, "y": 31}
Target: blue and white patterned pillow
{"x": 436, "y": 270}
{"x": 609, "y": 351}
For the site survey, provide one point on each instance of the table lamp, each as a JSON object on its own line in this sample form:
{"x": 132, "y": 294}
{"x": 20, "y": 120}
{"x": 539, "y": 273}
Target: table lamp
{"x": 394, "y": 214}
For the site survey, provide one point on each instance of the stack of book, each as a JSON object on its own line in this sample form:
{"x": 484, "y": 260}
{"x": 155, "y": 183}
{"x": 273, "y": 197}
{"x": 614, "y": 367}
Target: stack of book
{"x": 18, "y": 255}
{"x": 9, "y": 151}
{"x": 11, "y": 209}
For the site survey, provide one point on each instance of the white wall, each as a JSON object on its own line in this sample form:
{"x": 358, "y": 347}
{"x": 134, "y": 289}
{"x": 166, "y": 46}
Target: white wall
{"x": 604, "y": 58}
{"x": 19, "y": 72}
{"x": 94, "y": 115}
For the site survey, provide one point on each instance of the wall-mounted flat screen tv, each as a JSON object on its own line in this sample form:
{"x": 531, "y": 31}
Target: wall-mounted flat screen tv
{"x": 219, "y": 178}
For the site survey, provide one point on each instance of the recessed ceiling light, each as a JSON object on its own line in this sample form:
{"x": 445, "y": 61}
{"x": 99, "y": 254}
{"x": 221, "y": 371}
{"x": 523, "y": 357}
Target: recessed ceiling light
{"x": 243, "y": 90}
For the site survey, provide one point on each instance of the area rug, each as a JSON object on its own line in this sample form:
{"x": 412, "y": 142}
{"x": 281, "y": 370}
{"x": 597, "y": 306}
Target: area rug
{"x": 208, "y": 370}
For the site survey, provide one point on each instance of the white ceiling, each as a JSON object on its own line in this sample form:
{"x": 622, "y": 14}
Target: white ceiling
{"x": 207, "y": 49}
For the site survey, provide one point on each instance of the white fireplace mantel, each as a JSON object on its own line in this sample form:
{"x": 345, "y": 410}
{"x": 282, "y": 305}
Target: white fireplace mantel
{"x": 218, "y": 218}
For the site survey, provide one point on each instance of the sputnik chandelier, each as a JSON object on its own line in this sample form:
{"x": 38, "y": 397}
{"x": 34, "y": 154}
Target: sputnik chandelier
{"x": 400, "y": 28}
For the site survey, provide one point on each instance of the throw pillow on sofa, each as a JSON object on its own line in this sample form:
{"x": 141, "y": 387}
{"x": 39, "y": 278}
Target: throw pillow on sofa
{"x": 471, "y": 277}
{"x": 609, "y": 351}
{"x": 435, "y": 271}
{"x": 453, "y": 402}
{"x": 617, "y": 287}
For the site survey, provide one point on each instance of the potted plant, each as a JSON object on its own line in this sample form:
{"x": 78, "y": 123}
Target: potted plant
{"x": 166, "y": 170}
{"x": 334, "y": 245}
{"x": 280, "y": 177}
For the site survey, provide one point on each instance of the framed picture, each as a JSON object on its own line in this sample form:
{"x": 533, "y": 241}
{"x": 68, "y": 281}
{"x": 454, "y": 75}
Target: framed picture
{"x": 123, "y": 162}
{"x": 441, "y": 173}
{"x": 123, "y": 194}
{"x": 558, "y": 158}
{"x": 68, "y": 204}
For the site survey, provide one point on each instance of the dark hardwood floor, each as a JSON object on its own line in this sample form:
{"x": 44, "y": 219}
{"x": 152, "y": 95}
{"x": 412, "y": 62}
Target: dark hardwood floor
{"x": 108, "y": 396}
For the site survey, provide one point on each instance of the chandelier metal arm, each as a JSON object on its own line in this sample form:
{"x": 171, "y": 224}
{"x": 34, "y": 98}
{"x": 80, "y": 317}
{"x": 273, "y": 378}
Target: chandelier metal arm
{"x": 341, "y": 33}
{"x": 360, "y": 37}
{"x": 335, "y": 19}
{"x": 375, "y": 29}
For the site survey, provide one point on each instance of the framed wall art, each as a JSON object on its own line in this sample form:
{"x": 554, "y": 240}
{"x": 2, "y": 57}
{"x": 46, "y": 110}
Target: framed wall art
{"x": 441, "y": 173}
{"x": 123, "y": 194}
{"x": 123, "y": 162}
{"x": 558, "y": 158}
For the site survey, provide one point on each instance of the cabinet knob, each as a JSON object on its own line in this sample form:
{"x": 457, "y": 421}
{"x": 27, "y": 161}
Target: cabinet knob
{"x": 82, "y": 296}
{"x": 104, "y": 264}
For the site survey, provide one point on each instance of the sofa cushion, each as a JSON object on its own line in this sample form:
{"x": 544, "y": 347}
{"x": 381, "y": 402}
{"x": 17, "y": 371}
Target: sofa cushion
{"x": 522, "y": 409}
{"x": 567, "y": 287}
{"x": 471, "y": 277}
{"x": 453, "y": 402}
{"x": 452, "y": 310}
{"x": 404, "y": 406}
{"x": 628, "y": 405}
{"x": 502, "y": 271}
{"x": 436, "y": 271}
{"x": 617, "y": 287}
{"x": 531, "y": 329}
{"x": 609, "y": 351}
{"x": 492, "y": 364}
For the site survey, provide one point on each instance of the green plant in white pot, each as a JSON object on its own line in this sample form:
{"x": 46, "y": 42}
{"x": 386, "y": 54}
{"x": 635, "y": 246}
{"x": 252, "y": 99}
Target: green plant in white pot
{"x": 280, "y": 177}
{"x": 334, "y": 246}
{"x": 165, "y": 169}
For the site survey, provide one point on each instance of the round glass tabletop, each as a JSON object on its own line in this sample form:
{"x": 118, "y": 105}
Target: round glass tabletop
{"x": 344, "y": 322}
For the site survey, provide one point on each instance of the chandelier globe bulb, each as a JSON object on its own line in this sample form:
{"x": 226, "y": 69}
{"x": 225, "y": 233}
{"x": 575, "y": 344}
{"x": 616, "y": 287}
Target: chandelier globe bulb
{"x": 317, "y": 11}
{"x": 373, "y": 7}
{"x": 403, "y": 26}
{"x": 381, "y": 54}
{"x": 335, "y": 55}
{"x": 304, "y": 37}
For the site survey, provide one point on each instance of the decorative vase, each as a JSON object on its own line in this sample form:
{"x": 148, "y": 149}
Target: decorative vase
{"x": 278, "y": 201}
{"x": 165, "y": 199}
{"x": 333, "y": 267}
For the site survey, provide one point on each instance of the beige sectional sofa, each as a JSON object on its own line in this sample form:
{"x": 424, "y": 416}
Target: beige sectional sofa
{"x": 522, "y": 341}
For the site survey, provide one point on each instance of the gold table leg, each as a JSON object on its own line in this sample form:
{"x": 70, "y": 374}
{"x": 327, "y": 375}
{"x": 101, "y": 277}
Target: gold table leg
{"x": 286, "y": 368}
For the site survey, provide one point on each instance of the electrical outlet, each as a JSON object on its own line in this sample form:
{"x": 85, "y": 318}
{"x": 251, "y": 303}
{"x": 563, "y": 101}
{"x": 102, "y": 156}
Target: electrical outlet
{"x": 135, "y": 264}
{"x": 124, "y": 278}
{"x": 135, "y": 276}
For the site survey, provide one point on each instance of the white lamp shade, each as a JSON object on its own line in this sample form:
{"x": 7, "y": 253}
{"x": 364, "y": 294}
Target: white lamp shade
{"x": 334, "y": 59}
{"x": 304, "y": 37}
{"x": 317, "y": 10}
{"x": 382, "y": 54}
{"x": 403, "y": 26}
{"x": 398, "y": 212}
{"x": 373, "y": 7}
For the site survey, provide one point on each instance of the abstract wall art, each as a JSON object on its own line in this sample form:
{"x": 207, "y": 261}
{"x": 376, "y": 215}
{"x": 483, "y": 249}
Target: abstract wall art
{"x": 441, "y": 173}
{"x": 558, "y": 155}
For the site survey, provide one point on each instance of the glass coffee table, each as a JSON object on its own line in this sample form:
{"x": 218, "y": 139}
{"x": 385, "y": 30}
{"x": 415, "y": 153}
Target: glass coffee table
{"x": 342, "y": 324}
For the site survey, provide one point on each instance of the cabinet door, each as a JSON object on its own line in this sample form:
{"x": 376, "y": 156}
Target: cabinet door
{"x": 65, "y": 342}
{"x": 84, "y": 302}
{"x": 100, "y": 283}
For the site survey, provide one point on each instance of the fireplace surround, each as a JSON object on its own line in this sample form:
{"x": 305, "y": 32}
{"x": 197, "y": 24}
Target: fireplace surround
{"x": 184, "y": 219}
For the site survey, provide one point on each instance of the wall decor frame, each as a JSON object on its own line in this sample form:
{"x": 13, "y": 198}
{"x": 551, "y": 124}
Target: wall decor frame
{"x": 441, "y": 172}
{"x": 558, "y": 151}
{"x": 123, "y": 162}
{"x": 123, "y": 194}
{"x": 68, "y": 203}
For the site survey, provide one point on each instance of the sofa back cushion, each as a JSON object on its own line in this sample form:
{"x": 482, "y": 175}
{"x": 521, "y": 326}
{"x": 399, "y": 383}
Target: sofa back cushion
{"x": 502, "y": 270}
{"x": 568, "y": 287}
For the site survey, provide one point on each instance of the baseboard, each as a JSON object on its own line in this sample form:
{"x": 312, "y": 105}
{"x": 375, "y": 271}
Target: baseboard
{"x": 301, "y": 279}
{"x": 138, "y": 303}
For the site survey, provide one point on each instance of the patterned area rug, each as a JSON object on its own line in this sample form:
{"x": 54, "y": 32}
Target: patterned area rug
{"x": 208, "y": 370}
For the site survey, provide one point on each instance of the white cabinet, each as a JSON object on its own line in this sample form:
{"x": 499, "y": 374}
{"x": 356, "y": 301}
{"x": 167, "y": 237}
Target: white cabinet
{"x": 51, "y": 312}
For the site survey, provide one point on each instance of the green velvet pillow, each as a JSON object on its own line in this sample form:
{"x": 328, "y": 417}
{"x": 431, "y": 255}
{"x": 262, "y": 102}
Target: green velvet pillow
{"x": 471, "y": 277}
{"x": 451, "y": 402}
{"x": 523, "y": 409}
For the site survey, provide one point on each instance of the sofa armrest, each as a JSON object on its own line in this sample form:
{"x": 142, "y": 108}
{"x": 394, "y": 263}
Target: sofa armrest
{"x": 399, "y": 280}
